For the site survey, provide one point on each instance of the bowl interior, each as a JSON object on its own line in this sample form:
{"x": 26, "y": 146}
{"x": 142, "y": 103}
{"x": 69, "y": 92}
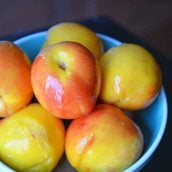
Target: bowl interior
{"x": 151, "y": 120}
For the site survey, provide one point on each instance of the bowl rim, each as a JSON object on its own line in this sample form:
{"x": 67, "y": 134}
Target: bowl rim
{"x": 138, "y": 164}
{"x": 149, "y": 152}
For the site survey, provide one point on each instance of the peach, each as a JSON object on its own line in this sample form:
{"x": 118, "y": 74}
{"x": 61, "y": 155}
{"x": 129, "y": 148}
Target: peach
{"x": 104, "y": 140}
{"x": 66, "y": 79}
{"x": 131, "y": 77}
{"x": 31, "y": 140}
{"x": 15, "y": 82}
{"x": 69, "y": 31}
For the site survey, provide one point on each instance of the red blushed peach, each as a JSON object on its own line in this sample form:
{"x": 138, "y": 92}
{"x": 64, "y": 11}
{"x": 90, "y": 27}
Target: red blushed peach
{"x": 15, "y": 83}
{"x": 66, "y": 79}
{"x": 104, "y": 140}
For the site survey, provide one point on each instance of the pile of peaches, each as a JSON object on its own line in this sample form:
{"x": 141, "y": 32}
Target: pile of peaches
{"x": 74, "y": 79}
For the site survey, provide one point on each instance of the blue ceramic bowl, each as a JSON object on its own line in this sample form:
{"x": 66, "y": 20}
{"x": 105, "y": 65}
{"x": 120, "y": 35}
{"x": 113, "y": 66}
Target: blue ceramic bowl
{"x": 151, "y": 120}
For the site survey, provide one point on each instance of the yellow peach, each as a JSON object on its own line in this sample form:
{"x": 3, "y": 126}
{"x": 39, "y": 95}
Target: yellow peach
{"x": 131, "y": 77}
{"x": 69, "y": 31}
{"x": 31, "y": 140}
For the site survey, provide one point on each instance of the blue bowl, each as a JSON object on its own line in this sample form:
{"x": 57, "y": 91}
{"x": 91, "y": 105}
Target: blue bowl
{"x": 151, "y": 120}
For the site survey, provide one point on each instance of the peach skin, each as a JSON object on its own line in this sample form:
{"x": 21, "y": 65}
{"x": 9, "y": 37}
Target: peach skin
{"x": 31, "y": 140}
{"x": 75, "y": 32}
{"x": 104, "y": 140}
{"x": 131, "y": 77}
{"x": 66, "y": 79}
{"x": 15, "y": 79}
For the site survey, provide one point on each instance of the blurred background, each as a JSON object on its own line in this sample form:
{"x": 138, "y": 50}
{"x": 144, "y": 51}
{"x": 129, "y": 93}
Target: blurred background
{"x": 151, "y": 20}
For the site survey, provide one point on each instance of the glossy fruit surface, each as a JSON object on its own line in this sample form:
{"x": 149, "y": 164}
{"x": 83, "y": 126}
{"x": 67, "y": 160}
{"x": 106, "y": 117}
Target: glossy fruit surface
{"x": 15, "y": 83}
{"x": 131, "y": 78}
{"x": 104, "y": 140}
{"x": 77, "y": 33}
{"x": 31, "y": 140}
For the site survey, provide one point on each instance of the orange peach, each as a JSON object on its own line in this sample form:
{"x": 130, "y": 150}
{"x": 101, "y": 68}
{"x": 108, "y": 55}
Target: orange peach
{"x": 66, "y": 79}
{"x": 104, "y": 140}
{"x": 15, "y": 83}
{"x": 32, "y": 140}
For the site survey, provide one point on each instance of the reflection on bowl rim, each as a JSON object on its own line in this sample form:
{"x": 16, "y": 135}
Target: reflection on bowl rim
{"x": 149, "y": 152}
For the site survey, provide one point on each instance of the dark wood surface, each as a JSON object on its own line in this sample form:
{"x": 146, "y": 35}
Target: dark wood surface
{"x": 151, "y": 20}
{"x": 148, "y": 22}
